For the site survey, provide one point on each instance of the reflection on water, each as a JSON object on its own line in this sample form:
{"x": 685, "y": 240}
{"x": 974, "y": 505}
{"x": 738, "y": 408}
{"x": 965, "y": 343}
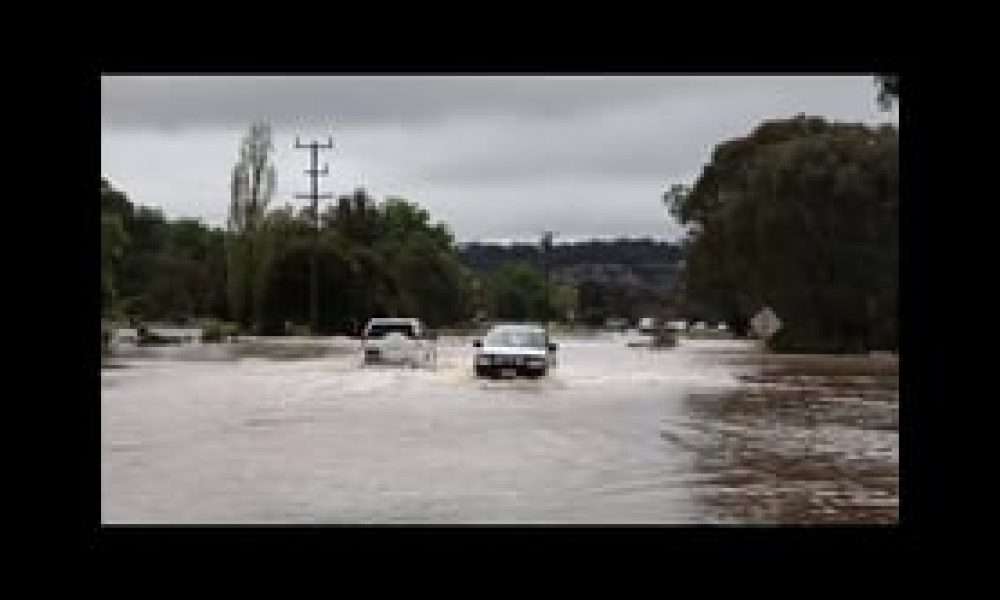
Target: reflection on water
{"x": 298, "y": 431}
{"x": 807, "y": 440}
{"x": 274, "y": 348}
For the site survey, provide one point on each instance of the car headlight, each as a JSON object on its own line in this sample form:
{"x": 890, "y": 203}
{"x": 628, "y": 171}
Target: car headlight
{"x": 482, "y": 359}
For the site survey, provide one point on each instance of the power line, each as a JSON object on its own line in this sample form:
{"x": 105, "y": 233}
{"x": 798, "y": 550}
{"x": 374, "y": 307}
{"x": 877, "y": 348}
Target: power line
{"x": 314, "y": 174}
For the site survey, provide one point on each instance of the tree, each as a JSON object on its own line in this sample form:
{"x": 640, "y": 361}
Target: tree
{"x": 431, "y": 279}
{"x": 113, "y": 243}
{"x": 138, "y": 265}
{"x": 888, "y": 90}
{"x": 376, "y": 259}
{"x": 802, "y": 215}
{"x": 251, "y": 188}
{"x": 517, "y": 292}
{"x": 565, "y": 302}
{"x": 435, "y": 282}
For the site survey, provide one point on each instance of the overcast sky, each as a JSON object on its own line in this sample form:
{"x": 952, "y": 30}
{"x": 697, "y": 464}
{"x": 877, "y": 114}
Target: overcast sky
{"x": 496, "y": 158}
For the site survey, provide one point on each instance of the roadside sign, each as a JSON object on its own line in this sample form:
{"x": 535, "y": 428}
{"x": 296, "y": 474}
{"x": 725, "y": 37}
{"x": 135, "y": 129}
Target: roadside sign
{"x": 765, "y": 323}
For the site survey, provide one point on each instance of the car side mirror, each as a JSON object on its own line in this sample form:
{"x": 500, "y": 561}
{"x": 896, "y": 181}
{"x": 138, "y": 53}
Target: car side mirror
{"x": 477, "y": 343}
{"x": 553, "y": 346}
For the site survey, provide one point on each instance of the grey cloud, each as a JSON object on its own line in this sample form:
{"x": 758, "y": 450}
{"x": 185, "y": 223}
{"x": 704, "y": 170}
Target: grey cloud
{"x": 172, "y": 102}
{"x": 493, "y": 157}
{"x": 655, "y": 140}
{"x": 175, "y": 102}
{"x": 574, "y": 210}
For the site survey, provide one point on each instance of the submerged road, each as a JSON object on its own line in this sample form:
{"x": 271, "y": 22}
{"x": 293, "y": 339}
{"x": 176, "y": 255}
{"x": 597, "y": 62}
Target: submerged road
{"x": 297, "y": 431}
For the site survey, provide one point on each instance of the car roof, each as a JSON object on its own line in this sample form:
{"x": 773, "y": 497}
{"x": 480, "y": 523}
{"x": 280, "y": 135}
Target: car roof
{"x": 393, "y": 321}
{"x": 521, "y": 326}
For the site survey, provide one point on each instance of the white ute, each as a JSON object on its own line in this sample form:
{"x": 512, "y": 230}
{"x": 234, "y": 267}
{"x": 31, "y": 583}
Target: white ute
{"x": 397, "y": 340}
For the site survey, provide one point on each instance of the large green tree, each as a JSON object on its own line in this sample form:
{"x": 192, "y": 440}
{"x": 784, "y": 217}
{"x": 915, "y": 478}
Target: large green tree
{"x": 801, "y": 215}
{"x": 251, "y": 187}
{"x": 152, "y": 268}
{"x": 375, "y": 259}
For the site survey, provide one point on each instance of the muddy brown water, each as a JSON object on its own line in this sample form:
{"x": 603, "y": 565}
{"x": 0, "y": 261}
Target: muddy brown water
{"x": 298, "y": 431}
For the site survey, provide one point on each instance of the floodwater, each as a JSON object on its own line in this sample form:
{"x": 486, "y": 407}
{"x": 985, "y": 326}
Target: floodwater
{"x": 299, "y": 432}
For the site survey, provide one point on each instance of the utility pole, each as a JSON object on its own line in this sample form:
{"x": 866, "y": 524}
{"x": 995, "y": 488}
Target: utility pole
{"x": 546, "y": 249}
{"x": 314, "y": 195}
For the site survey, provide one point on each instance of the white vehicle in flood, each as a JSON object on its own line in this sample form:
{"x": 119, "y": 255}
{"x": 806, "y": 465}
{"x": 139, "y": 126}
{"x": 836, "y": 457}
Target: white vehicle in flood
{"x": 647, "y": 325}
{"x": 512, "y": 350}
{"x": 398, "y": 341}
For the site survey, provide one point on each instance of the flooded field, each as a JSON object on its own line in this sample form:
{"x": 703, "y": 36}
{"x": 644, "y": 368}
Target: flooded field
{"x": 298, "y": 431}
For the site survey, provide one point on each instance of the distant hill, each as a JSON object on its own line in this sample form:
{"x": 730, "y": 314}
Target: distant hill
{"x": 640, "y": 264}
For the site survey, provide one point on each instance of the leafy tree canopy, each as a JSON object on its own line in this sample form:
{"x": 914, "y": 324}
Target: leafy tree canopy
{"x": 801, "y": 215}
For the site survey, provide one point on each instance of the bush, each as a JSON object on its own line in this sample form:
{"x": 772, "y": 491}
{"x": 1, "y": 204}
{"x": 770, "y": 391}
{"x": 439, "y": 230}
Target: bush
{"x": 296, "y": 329}
{"x": 105, "y": 340}
{"x": 216, "y": 331}
{"x": 806, "y": 340}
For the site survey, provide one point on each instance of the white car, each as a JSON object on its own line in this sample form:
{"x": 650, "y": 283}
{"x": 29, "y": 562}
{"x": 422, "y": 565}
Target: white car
{"x": 647, "y": 325}
{"x": 677, "y": 325}
{"x": 400, "y": 341}
{"x": 512, "y": 350}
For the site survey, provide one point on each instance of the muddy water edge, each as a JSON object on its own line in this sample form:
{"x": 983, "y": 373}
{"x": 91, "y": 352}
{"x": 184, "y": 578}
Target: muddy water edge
{"x": 805, "y": 439}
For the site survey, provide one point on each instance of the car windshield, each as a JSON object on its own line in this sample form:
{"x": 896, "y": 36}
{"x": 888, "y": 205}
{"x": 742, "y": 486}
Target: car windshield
{"x": 382, "y": 329}
{"x": 521, "y": 338}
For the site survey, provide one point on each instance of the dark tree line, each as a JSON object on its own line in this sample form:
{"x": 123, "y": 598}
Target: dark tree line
{"x": 376, "y": 259}
{"x": 158, "y": 269}
{"x": 485, "y": 257}
{"x": 595, "y": 279}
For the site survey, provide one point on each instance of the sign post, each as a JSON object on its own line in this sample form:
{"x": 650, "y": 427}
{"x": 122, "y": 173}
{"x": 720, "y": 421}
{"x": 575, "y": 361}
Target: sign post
{"x": 765, "y": 323}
